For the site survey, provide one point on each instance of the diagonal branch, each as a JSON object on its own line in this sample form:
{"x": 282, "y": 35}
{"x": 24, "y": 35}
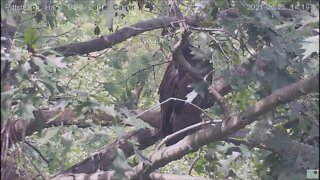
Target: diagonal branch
{"x": 213, "y": 133}
{"x": 103, "y": 158}
{"x": 121, "y": 35}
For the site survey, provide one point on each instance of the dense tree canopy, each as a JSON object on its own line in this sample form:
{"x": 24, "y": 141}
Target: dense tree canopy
{"x": 87, "y": 88}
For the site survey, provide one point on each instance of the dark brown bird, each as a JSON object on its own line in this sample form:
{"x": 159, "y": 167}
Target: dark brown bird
{"x": 176, "y": 81}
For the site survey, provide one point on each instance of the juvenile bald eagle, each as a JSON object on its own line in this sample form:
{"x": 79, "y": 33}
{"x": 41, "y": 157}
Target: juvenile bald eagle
{"x": 176, "y": 81}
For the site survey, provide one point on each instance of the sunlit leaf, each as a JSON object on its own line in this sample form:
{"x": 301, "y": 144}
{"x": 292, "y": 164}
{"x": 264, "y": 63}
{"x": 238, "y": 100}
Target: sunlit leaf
{"x": 56, "y": 61}
{"x": 136, "y": 122}
{"x": 40, "y": 63}
{"x": 140, "y": 155}
{"x": 110, "y": 14}
{"x": 67, "y": 140}
{"x": 108, "y": 110}
{"x": 310, "y": 45}
{"x": 199, "y": 87}
{"x": 49, "y": 135}
{"x": 27, "y": 109}
{"x": 30, "y": 36}
{"x": 120, "y": 164}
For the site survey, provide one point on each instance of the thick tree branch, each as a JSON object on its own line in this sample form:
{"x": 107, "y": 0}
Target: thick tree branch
{"x": 111, "y": 175}
{"x": 121, "y": 35}
{"x": 13, "y": 132}
{"x": 210, "y": 134}
{"x": 103, "y": 158}
{"x": 281, "y": 143}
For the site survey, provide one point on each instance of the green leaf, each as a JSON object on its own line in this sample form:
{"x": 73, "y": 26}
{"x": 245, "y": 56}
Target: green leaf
{"x": 198, "y": 168}
{"x": 199, "y": 87}
{"x": 310, "y": 45}
{"x": 118, "y": 130}
{"x": 51, "y": 20}
{"x": 51, "y": 132}
{"x": 307, "y": 18}
{"x": 225, "y": 163}
{"x": 67, "y": 140}
{"x": 140, "y": 155}
{"x": 278, "y": 78}
{"x": 110, "y": 14}
{"x": 69, "y": 12}
{"x": 30, "y": 36}
{"x": 136, "y": 122}
{"x": 26, "y": 109}
{"x": 120, "y": 165}
{"x": 55, "y": 61}
{"x": 62, "y": 103}
{"x": 7, "y": 94}
{"x": 39, "y": 62}
{"x": 25, "y": 67}
{"x": 108, "y": 109}
{"x": 50, "y": 84}
{"x": 221, "y": 3}
{"x": 39, "y": 17}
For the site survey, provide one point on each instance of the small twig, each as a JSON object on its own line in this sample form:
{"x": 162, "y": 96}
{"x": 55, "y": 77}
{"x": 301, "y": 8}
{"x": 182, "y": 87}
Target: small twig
{"x": 176, "y": 99}
{"x": 208, "y": 29}
{"x": 140, "y": 70}
{"x": 216, "y": 41}
{"x": 148, "y": 29}
{"x": 35, "y": 167}
{"x": 238, "y": 142}
{"x": 222, "y": 30}
{"x": 167, "y": 138}
{"x": 26, "y": 19}
{"x": 159, "y": 104}
{"x": 55, "y": 117}
{"x": 121, "y": 49}
{"x": 75, "y": 74}
{"x": 185, "y": 101}
{"x": 38, "y": 170}
{"x": 88, "y": 55}
{"x": 220, "y": 100}
{"x": 89, "y": 63}
{"x": 38, "y": 87}
{"x": 38, "y": 151}
{"x": 62, "y": 34}
{"x": 53, "y": 36}
{"x": 132, "y": 75}
{"x": 194, "y": 161}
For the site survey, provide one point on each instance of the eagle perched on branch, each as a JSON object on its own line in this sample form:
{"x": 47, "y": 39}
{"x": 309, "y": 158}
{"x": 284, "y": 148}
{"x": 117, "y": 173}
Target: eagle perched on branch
{"x": 176, "y": 83}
